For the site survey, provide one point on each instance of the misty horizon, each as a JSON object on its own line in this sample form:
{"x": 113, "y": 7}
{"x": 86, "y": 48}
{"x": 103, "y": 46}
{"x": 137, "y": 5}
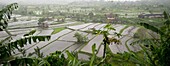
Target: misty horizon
{"x": 50, "y": 1}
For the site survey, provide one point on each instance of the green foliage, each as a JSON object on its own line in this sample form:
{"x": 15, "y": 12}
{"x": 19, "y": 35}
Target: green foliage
{"x": 41, "y": 20}
{"x": 73, "y": 60}
{"x": 56, "y": 59}
{"x": 166, "y": 16}
{"x": 8, "y": 48}
{"x": 156, "y": 50}
{"x": 107, "y": 40}
{"x": 30, "y": 33}
{"x": 38, "y": 53}
{"x": 91, "y": 15}
{"x": 151, "y": 28}
{"x": 56, "y": 30}
{"x": 93, "y": 55}
{"x": 143, "y": 33}
{"x": 81, "y": 38}
{"x": 21, "y": 62}
{"x": 28, "y": 62}
{"x": 5, "y": 15}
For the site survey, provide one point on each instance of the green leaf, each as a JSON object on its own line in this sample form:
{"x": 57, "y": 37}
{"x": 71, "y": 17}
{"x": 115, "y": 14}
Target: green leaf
{"x": 167, "y": 22}
{"x": 94, "y": 55}
{"x": 48, "y": 38}
{"x": 5, "y": 15}
{"x": 94, "y": 48}
{"x": 1, "y": 29}
{"x": 34, "y": 38}
{"x": 20, "y": 43}
{"x": 9, "y": 48}
{"x": 166, "y": 16}
{"x": 70, "y": 56}
{"x": 43, "y": 62}
{"x": 24, "y": 41}
{"x": 15, "y": 44}
{"x": 21, "y": 61}
{"x": 9, "y": 16}
{"x": 107, "y": 26}
{"x": 29, "y": 39}
{"x": 30, "y": 33}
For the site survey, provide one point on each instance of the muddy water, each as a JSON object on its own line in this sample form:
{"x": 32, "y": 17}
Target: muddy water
{"x": 62, "y": 25}
{"x": 99, "y": 27}
{"x": 127, "y": 34}
{"x": 30, "y": 47}
{"x": 22, "y": 22}
{"x": 3, "y": 34}
{"x": 55, "y": 46}
{"x": 65, "y": 39}
{"x": 97, "y": 40}
{"x": 45, "y": 32}
{"x": 53, "y": 37}
{"x": 70, "y": 36}
{"x": 91, "y": 26}
{"x": 117, "y": 27}
{"x": 56, "y": 36}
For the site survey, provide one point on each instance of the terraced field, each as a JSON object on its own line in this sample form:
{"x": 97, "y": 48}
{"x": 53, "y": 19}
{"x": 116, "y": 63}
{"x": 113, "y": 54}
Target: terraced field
{"x": 64, "y": 39}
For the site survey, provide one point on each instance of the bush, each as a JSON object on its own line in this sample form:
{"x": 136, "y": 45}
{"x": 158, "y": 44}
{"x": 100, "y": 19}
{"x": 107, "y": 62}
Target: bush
{"x": 81, "y": 38}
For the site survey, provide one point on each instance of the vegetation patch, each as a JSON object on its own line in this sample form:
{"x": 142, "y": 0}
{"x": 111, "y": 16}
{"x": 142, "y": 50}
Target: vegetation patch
{"x": 143, "y": 33}
{"x": 56, "y": 30}
{"x": 81, "y": 38}
{"x": 123, "y": 29}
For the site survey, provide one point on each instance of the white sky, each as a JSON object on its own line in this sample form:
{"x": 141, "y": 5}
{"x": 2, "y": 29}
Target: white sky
{"x": 122, "y": 0}
{"x": 49, "y": 1}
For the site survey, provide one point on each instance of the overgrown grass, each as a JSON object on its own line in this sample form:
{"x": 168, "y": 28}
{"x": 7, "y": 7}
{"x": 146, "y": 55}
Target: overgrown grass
{"x": 134, "y": 21}
{"x": 56, "y": 30}
{"x": 143, "y": 33}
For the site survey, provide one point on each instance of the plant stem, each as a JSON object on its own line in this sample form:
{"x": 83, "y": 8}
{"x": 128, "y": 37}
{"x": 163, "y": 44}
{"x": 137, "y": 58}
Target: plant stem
{"x": 104, "y": 52}
{"x": 8, "y": 32}
{"x": 105, "y": 40}
{"x": 10, "y": 35}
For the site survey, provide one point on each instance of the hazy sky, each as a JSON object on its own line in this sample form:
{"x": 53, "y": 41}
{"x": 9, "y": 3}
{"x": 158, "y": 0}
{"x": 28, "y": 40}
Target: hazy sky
{"x": 122, "y": 0}
{"x": 36, "y": 1}
{"x": 48, "y": 1}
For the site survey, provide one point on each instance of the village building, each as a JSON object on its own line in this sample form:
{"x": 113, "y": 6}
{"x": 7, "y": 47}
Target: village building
{"x": 111, "y": 17}
{"x": 150, "y": 16}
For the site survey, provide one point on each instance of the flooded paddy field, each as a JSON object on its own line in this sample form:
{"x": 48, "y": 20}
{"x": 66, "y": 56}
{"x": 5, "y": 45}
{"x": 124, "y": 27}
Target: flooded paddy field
{"x": 65, "y": 40}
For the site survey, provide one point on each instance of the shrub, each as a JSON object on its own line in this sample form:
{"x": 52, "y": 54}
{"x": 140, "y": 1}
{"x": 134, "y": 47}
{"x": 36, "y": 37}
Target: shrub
{"x": 81, "y": 38}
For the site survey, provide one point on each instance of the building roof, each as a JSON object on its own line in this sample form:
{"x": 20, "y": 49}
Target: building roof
{"x": 153, "y": 14}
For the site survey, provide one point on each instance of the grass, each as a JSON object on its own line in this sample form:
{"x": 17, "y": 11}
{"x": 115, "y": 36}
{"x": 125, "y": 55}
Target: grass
{"x": 123, "y": 29}
{"x": 143, "y": 33}
{"x": 56, "y": 30}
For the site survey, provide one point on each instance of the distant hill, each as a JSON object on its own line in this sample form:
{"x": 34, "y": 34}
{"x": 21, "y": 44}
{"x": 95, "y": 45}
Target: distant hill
{"x": 76, "y": 2}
